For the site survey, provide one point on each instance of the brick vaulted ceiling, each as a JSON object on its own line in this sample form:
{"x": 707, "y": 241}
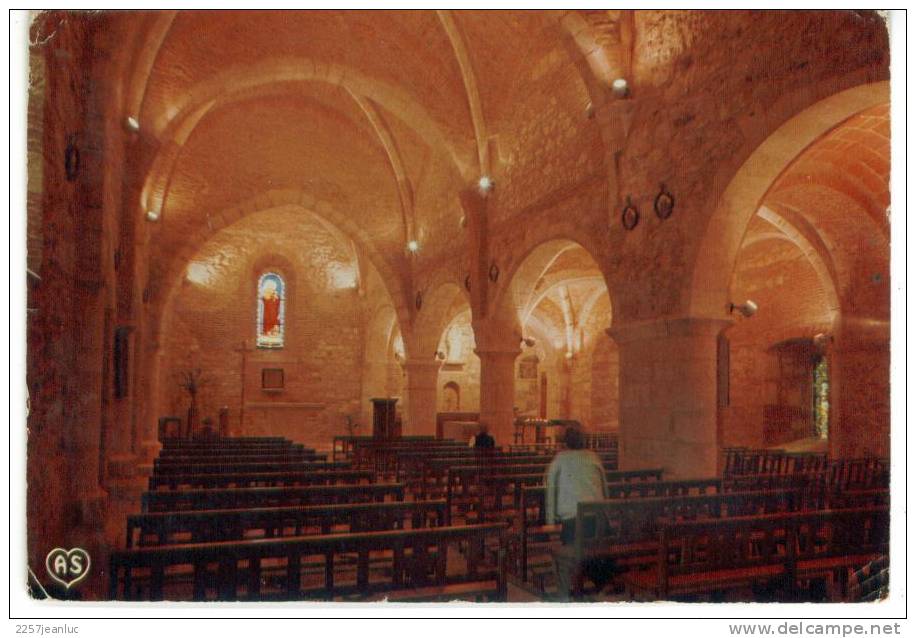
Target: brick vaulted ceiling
{"x": 382, "y": 117}
{"x": 833, "y": 203}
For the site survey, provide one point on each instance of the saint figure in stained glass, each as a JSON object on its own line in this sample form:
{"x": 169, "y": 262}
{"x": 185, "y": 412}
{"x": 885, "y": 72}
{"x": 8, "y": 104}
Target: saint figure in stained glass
{"x": 271, "y": 310}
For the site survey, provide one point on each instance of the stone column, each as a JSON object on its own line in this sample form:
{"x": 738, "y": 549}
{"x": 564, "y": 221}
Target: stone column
{"x": 497, "y": 392}
{"x": 668, "y": 395}
{"x": 422, "y": 396}
{"x": 858, "y": 361}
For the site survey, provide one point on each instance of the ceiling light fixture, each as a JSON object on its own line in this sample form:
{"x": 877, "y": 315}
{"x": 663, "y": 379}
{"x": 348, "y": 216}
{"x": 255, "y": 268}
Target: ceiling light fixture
{"x": 747, "y": 309}
{"x": 620, "y": 87}
{"x": 413, "y": 246}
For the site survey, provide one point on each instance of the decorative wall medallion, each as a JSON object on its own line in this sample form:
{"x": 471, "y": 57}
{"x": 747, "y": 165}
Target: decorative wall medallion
{"x": 494, "y": 272}
{"x": 72, "y": 159}
{"x": 664, "y": 203}
{"x": 418, "y": 301}
{"x": 630, "y": 215}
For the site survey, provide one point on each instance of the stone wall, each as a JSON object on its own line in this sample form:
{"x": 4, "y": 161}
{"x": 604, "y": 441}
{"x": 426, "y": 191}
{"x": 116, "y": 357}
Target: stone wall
{"x": 211, "y": 326}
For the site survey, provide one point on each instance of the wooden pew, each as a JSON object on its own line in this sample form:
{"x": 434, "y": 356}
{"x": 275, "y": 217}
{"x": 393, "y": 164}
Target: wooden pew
{"x": 227, "y": 443}
{"x": 209, "y": 499}
{"x": 845, "y": 474}
{"x": 432, "y": 481}
{"x": 704, "y": 557}
{"x": 259, "y": 479}
{"x": 259, "y": 457}
{"x": 483, "y": 488}
{"x": 381, "y": 456}
{"x": 343, "y": 446}
{"x": 169, "y": 528}
{"x": 241, "y": 468}
{"x": 533, "y": 527}
{"x": 417, "y": 568}
{"x": 409, "y": 464}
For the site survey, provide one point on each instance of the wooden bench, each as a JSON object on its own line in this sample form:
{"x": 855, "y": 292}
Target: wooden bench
{"x": 434, "y": 476}
{"x": 258, "y": 457}
{"x": 533, "y": 528}
{"x": 227, "y": 443}
{"x": 417, "y": 568}
{"x": 243, "y": 468}
{"x": 482, "y": 489}
{"x": 774, "y": 551}
{"x": 845, "y": 474}
{"x": 209, "y": 499}
{"x": 644, "y": 489}
{"x": 409, "y": 464}
{"x": 169, "y": 528}
{"x": 260, "y": 479}
{"x": 343, "y": 446}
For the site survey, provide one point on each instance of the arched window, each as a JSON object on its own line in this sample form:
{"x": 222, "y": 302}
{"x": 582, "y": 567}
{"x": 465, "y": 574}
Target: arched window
{"x": 271, "y": 310}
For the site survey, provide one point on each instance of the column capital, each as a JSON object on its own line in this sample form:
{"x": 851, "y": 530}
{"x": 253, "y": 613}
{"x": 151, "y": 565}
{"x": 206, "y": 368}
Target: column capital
{"x": 664, "y": 327}
{"x": 422, "y": 365}
{"x": 497, "y": 335}
{"x": 863, "y": 331}
{"x": 496, "y": 353}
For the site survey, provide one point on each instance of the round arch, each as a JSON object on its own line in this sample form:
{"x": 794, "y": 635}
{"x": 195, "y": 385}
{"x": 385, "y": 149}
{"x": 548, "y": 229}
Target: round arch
{"x": 741, "y": 199}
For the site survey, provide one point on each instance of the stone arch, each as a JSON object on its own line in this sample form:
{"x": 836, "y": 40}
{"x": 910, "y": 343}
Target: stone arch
{"x": 451, "y": 397}
{"x": 795, "y": 229}
{"x": 540, "y": 250}
{"x": 323, "y": 210}
{"x": 747, "y": 186}
{"x": 433, "y": 317}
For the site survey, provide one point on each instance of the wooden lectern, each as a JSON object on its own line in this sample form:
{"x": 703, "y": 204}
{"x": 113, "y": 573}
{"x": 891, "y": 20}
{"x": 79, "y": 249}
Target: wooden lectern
{"x": 384, "y": 423}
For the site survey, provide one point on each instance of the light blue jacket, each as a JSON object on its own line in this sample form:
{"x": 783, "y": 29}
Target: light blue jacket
{"x": 573, "y": 476}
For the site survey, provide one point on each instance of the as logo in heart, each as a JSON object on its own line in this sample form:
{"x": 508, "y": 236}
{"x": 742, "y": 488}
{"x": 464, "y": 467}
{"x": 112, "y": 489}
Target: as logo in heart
{"x": 68, "y": 566}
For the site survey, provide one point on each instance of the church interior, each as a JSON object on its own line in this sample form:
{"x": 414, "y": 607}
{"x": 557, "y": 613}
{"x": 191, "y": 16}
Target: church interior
{"x": 284, "y": 265}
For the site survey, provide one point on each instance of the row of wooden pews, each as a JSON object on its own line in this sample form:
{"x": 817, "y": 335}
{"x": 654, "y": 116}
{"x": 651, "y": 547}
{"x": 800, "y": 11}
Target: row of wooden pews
{"x": 259, "y": 519}
{"x": 765, "y": 535}
{"x": 426, "y": 519}
{"x": 846, "y": 473}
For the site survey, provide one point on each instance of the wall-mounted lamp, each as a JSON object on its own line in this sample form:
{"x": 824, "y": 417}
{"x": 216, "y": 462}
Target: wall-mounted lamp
{"x": 620, "y": 88}
{"x": 413, "y": 246}
{"x": 132, "y": 124}
{"x": 152, "y": 215}
{"x": 485, "y": 184}
{"x": 748, "y": 308}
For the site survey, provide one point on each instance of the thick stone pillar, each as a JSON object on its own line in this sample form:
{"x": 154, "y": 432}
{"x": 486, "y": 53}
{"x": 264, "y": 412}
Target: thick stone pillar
{"x": 668, "y": 397}
{"x": 422, "y": 396}
{"x": 858, "y": 360}
{"x": 497, "y": 392}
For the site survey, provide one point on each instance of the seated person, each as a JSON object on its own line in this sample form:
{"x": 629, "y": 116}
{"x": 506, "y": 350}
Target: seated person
{"x": 574, "y": 475}
{"x": 483, "y": 440}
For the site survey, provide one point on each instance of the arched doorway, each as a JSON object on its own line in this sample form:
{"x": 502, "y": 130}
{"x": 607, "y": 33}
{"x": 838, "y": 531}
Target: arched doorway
{"x": 568, "y": 366}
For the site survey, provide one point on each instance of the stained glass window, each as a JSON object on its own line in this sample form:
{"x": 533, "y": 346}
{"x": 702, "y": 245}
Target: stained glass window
{"x": 271, "y": 310}
{"x": 821, "y": 399}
